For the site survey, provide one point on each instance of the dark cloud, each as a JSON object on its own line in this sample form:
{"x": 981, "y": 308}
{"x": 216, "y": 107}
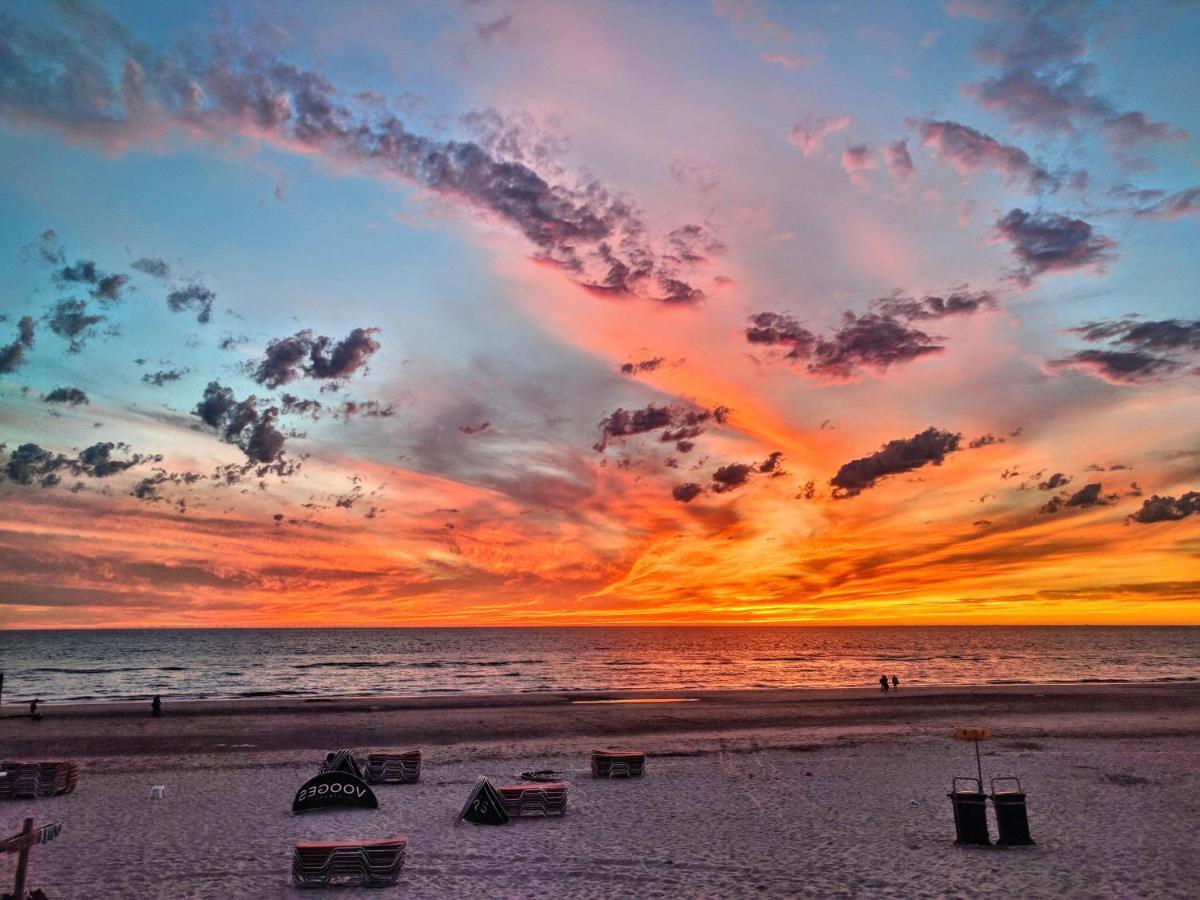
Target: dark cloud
{"x": 1139, "y": 351}
{"x": 105, "y": 288}
{"x": 72, "y": 320}
{"x": 771, "y": 464}
{"x": 899, "y": 161}
{"x": 1118, "y": 366}
{"x": 686, "y": 493}
{"x": 240, "y": 422}
{"x": 731, "y": 477}
{"x": 148, "y": 489}
{"x": 158, "y": 268}
{"x": 475, "y": 429}
{"x": 30, "y": 463}
{"x": 971, "y": 151}
{"x": 871, "y": 341}
{"x": 779, "y": 329}
{"x": 347, "y": 410}
{"x": 1086, "y": 497}
{"x": 1161, "y": 335}
{"x": 679, "y": 423}
{"x": 120, "y": 92}
{"x": 645, "y": 365}
{"x": 1048, "y": 242}
{"x": 71, "y": 395}
{"x": 1167, "y": 509}
{"x": 1054, "y": 482}
{"x": 192, "y": 298}
{"x": 930, "y": 446}
{"x": 1176, "y": 205}
{"x": 957, "y": 303}
{"x": 164, "y": 376}
{"x": 370, "y": 409}
{"x": 12, "y": 355}
{"x": 985, "y": 440}
{"x": 1043, "y": 81}
{"x": 1132, "y": 128}
{"x": 315, "y": 356}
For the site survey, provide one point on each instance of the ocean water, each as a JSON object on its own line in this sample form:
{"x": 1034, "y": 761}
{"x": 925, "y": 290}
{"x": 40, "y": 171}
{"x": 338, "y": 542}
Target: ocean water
{"x": 107, "y": 665}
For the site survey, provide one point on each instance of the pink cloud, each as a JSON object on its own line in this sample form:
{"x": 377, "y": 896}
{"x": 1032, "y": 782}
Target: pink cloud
{"x": 811, "y": 130}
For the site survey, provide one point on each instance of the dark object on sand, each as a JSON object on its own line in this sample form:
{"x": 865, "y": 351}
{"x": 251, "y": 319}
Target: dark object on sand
{"x": 618, "y": 764}
{"x": 1012, "y": 820}
{"x": 156, "y": 706}
{"x": 484, "y": 805}
{"x": 366, "y": 863}
{"x": 970, "y": 813}
{"x": 341, "y": 761}
{"x": 331, "y": 789}
{"x": 33, "y": 713}
{"x": 883, "y": 684}
{"x": 394, "y": 768}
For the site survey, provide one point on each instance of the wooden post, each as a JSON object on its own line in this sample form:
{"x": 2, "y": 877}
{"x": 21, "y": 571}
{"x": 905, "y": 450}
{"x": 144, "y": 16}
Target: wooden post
{"x": 23, "y": 860}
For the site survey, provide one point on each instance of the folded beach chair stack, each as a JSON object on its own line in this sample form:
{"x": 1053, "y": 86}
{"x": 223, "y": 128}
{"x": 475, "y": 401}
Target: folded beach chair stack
{"x": 618, "y": 764}
{"x": 545, "y": 799}
{"x": 341, "y": 761}
{"x": 365, "y": 863}
{"x": 47, "y": 779}
{"x": 394, "y": 768}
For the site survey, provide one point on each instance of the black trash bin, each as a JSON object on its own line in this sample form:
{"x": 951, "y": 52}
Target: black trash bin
{"x": 1012, "y": 820}
{"x": 970, "y": 813}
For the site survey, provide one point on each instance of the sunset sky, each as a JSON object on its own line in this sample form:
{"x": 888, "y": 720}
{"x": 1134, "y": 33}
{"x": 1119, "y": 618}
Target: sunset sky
{"x": 506, "y": 312}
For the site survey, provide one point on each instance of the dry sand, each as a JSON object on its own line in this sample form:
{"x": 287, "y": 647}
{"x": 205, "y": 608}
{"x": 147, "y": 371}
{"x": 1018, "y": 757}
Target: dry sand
{"x": 766, "y": 793}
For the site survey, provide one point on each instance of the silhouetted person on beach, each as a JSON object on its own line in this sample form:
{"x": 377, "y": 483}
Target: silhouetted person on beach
{"x": 896, "y": 682}
{"x": 33, "y": 713}
{"x": 156, "y": 706}
{"x": 883, "y": 685}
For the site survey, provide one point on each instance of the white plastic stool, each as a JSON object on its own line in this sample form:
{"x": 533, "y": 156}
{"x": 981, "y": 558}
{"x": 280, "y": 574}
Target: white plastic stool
{"x": 158, "y": 792}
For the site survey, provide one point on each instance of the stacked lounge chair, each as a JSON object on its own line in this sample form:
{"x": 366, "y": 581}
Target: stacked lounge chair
{"x": 618, "y": 764}
{"x": 47, "y": 779}
{"x": 394, "y": 768}
{"x": 366, "y": 863}
{"x": 544, "y": 799}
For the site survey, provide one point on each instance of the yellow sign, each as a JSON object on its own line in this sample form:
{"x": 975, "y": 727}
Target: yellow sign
{"x": 972, "y": 734}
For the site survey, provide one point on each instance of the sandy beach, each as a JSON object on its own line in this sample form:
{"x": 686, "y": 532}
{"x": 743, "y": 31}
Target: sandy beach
{"x": 762, "y": 793}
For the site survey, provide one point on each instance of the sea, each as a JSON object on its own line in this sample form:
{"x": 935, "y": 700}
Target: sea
{"x": 195, "y": 664}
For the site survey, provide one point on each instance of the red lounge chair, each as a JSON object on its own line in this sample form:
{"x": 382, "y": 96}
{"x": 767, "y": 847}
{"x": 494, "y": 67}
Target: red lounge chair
{"x": 393, "y": 768}
{"x": 541, "y": 799}
{"x": 618, "y": 763}
{"x": 366, "y": 863}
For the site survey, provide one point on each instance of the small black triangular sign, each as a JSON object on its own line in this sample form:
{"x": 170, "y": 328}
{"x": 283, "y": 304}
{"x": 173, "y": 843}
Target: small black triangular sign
{"x": 484, "y": 806}
{"x": 341, "y": 761}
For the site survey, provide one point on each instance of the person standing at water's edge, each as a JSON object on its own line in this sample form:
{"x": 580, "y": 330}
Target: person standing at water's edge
{"x": 896, "y": 682}
{"x": 883, "y": 684}
{"x": 156, "y": 706}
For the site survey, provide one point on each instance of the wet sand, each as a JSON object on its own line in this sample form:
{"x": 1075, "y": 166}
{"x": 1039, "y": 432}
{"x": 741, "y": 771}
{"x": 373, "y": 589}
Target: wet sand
{"x": 748, "y": 793}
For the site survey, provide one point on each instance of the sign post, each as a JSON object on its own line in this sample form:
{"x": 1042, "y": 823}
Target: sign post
{"x": 21, "y": 844}
{"x": 976, "y": 735}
